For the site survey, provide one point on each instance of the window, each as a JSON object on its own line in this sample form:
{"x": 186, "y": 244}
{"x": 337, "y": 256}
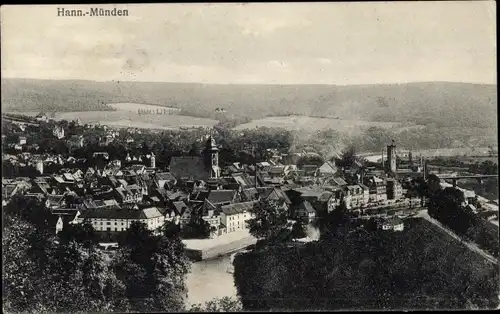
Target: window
{"x": 108, "y": 223}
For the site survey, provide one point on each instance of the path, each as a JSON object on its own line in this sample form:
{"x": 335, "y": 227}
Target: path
{"x": 471, "y": 246}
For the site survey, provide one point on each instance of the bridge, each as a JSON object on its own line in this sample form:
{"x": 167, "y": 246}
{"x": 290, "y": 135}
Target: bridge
{"x": 479, "y": 178}
{"x": 446, "y": 168}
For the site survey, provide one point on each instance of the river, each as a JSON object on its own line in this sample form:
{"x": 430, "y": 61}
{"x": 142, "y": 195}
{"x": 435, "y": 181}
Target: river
{"x": 210, "y": 279}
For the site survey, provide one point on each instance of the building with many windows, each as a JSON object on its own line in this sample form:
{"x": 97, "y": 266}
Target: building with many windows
{"x": 119, "y": 219}
{"x": 353, "y": 196}
{"x": 378, "y": 190}
{"x": 394, "y": 189}
{"x": 234, "y": 216}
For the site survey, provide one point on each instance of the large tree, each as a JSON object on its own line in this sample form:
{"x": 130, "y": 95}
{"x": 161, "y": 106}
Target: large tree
{"x": 298, "y": 230}
{"x": 347, "y": 158}
{"x": 269, "y": 221}
{"x": 41, "y": 274}
{"x": 153, "y": 269}
{"x": 196, "y": 228}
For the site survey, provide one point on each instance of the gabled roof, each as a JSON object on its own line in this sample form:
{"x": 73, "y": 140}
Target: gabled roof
{"x": 55, "y": 199}
{"x": 325, "y": 196}
{"x": 151, "y": 212}
{"x": 328, "y": 167}
{"x": 237, "y": 208}
{"x": 65, "y": 211}
{"x": 9, "y": 190}
{"x": 353, "y": 187}
{"x": 122, "y": 182}
{"x": 222, "y": 196}
{"x": 122, "y": 213}
{"x": 164, "y": 176}
{"x": 200, "y": 195}
{"x": 250, "y": 193}
{"x": 242, "y": 179}
{"x": 338, "y": 181}
{"x": 376, "y": 179}
{"x": 134, "y": 188}
{"x": 173, "y": 195}
{"x": 273, "y": 193}
{"x": 137, "y": 167}
{"x": 233, "y": 169}
{"x": 227, "y": 180}
{"x": 68, "y": 177}
{"x": 276, "y": 170}
{"x": 308, "y": 192}
{"x": 305, "y": 205}
{"x": 44, "y": 186}
{"x": 179, "y": 207}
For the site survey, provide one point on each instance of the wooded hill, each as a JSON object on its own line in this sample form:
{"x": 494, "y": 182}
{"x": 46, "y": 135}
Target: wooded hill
{"x": 443, "y": 104}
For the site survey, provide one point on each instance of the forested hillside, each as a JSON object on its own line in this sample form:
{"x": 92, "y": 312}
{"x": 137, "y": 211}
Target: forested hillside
{"x": 435, "y": 103}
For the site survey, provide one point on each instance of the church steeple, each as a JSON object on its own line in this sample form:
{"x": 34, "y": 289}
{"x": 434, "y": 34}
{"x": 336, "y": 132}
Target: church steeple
{"x": 212, "y": 157}
{"x": 152, "y": 160}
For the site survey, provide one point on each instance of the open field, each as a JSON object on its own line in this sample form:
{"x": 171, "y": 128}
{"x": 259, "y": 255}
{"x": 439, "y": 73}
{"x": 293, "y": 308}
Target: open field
{"x": 297, "y": 122}
{"x": 444, "y": 104}
{"x": 471, "y": 160}
{"x": 134, "y": 107}
{"x": 132, "y": 119}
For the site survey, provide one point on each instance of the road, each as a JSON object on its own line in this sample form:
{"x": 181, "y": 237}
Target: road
{"x": 471, "y": 246}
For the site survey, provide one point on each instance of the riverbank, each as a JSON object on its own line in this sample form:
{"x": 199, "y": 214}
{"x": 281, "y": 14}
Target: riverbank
{"x": 203, "y": 249}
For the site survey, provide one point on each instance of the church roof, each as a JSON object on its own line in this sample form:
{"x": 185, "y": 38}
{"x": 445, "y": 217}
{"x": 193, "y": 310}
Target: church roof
{"x": 189, "y": 168}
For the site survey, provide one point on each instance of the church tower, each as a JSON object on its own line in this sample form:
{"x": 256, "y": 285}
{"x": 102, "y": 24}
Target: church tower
{"x": 212, "y": 158}
{"x": 153, "y": 160}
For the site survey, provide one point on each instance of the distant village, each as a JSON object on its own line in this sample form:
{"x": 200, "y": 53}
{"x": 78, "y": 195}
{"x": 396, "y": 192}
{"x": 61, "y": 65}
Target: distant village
{"x": 112, "y": 193}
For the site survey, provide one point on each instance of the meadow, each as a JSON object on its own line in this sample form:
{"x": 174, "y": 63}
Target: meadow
{"x": 297, "y": 122}
{"x": 128, "y": 118}
{"x": 135, "y": 107}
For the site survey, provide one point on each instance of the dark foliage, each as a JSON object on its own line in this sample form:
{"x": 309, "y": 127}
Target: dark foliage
{"x": 446, "y": 206}
{"x": 368, "y": 270}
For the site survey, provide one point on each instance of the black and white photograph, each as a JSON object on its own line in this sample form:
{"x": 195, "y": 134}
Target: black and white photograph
{"x": 249, "y": 157}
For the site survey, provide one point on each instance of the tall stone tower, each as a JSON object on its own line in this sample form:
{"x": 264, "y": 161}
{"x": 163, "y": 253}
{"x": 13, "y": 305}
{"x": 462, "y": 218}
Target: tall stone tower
{"x": 211, "y": 156}
{"x": 391, "y": 157}
{"x": 152, "y": 160}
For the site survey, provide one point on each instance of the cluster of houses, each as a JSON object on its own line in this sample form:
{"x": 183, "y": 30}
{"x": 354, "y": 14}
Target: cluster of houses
{"x": 95, "y": 133}
{"x": 111, "y": 197}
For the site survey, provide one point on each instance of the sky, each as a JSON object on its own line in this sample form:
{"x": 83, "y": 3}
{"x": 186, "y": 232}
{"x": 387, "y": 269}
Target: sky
{"x": 259, "y": 43}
